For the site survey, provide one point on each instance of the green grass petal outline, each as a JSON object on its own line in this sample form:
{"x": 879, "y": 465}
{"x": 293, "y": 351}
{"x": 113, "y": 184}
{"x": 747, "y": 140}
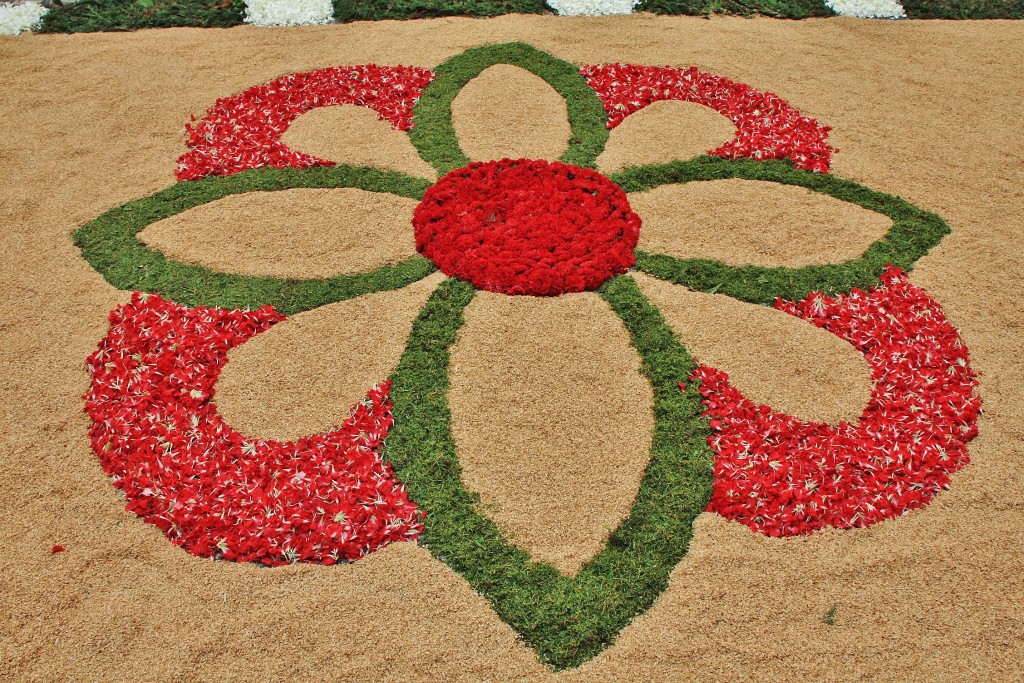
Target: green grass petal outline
{"x": 110, "y": 245}
{"x": 913, "y": 233}
{"x": 567, "y": 621}
{"x": 434, "y": 136}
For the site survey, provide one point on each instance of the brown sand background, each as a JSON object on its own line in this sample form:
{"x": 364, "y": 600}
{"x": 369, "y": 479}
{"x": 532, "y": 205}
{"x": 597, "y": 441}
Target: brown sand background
{"x": 926, "y": 110}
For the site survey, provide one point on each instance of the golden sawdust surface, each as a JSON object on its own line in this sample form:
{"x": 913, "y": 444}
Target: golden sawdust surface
{"x": 353, "y": 135}
{"x": 926, "y": 110}
{"x": 301, "y": 233}
{"x": 750, "y": 221}
{"x": 662, "y": 132}
{"x": 552, "y": 418}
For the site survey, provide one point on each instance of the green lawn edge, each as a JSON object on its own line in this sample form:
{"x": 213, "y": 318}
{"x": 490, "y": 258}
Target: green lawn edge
{"x": 130, "y": 15}
{"x": 110, "y": 245}
{"x": 913, "y": 233}
{"x": 567, "y": 621}
{"x": 434, "y": 135}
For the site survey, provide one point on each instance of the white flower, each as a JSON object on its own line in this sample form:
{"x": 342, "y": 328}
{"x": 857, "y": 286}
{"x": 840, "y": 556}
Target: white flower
{"x": 868, "y": 9}
{"x": 15, "y": 19}
{"x": 288, "y": 12}
{"x": 592, "y": 7}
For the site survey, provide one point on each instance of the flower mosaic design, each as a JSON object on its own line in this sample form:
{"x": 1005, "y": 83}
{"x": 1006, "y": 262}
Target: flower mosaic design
{"x": 520, "y": 227}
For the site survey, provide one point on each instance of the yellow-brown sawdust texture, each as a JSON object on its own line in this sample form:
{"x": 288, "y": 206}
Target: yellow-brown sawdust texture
{"x": 355, "y": 136}
{"x": 305, "y": 374}
{"x": 773, "y": 358}
{"x": 302, "y": 233}
{"x": 508, "y": 112}
{"x": 552, "y": 420}
{"x": 926, "y": 110}
{"x": 755, "y": 222}
{"x": 662, "y": 132}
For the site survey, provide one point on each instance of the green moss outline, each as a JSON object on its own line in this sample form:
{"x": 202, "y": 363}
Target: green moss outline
{"x": 567, "y": 621}
{"x": 434, "y": 136}
{"x": 913, "y": 233}
{"x": 110, "y": 245}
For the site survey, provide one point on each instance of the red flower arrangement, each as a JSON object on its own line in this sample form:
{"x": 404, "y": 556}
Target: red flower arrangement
{"x": 325, "y": 498}
{"x": 243, "y": 131}
{"x": 781, "y": 476}
{"x": 527, "y": 227}
{"x": 766, "y": 126}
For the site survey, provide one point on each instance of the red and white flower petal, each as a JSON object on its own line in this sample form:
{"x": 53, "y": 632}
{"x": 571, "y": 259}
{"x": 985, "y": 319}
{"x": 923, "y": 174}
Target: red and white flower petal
{"x": 782, "y": 477}
{"x": 324, "y": 498}
{"x": 767, "y": 127}
{"x": 243, "y": 131}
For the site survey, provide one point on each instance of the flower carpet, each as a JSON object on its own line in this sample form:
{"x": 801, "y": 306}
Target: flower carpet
{"x": 491, "y": 350}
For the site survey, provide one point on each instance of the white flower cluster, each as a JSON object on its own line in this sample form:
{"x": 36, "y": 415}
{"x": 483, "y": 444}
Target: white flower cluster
{"x": 868, "y": 9}
{"x": 592, "y": 7}
{"x": 288, "y": 12}
{"x": 15, "y": 19}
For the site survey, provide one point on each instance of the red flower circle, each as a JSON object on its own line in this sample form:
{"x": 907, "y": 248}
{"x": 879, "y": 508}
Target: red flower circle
{"x": 527, "y": 227}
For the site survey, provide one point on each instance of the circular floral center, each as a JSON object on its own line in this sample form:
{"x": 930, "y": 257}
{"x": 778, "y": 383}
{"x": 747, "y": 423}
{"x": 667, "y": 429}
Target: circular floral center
{"x": 527, "y": 227}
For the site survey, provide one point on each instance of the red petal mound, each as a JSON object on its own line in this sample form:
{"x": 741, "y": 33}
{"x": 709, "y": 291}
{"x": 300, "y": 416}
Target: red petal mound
{"x": 527, "y": 227}
{"x": 782, "y": 477}
{"x": 767, "y": 127}
{"x": 244, "y": 131}
{"x": 324, "y": 498}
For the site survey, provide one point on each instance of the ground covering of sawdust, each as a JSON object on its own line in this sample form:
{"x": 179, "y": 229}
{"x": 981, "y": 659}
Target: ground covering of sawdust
{"x": 926, "y": 110}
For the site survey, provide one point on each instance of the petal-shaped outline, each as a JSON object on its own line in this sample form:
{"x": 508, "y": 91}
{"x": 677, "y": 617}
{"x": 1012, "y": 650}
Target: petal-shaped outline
{"x": 110, "y": 245}
{"x": 322, "y": 498}
{"x": 767, "y": 127}
{"x": 913, "y": 233}
{"x": 244, "y": 131}
{"x": 567, "y": 621}
{"x": 434, "y": 136}
{"x": 782, "y": 476}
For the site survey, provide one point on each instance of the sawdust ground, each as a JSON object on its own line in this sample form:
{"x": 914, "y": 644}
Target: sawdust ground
{"x": 355, "y": 136}
{"x": 301, "y": 233}
{"x": 552, "y": 419}
{"x": 662, "y": 132}
{"x": 750, "y": 221}
{"x": 925, "y": 110}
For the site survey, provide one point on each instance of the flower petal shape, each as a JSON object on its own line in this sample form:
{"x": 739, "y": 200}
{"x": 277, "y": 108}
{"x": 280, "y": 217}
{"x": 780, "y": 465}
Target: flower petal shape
{"x": 299, "y": 233}
{"x": 740, "y": 222}
{"x": 507, "y": 112}
{"x": 355, "y": 136}
{"x": 665, "y": 131}
{"x": 782, "y": 476}
{"x": 767, "y": 126}
{"x": 210, "y": 489}
{"x": 243, "y": 131}
{"x": 111, "y": 244}
{"x": 552, "y": 420}
{"x": 772, "y": 358}
{"x": 289, "y": 381}
{"x": 434, "y": 133}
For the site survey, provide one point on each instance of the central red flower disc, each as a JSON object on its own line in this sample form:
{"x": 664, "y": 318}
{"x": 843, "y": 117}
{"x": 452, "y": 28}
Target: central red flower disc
{"x": 527, "y": 227}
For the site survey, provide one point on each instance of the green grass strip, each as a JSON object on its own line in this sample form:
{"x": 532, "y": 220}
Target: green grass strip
{"x": 433, "y": 133}
{"x": 567, "y": 621}
{"x": 781, "y": 9}
{"x": 912, "y": 234}
{"x": 110, "y": 245}
{"x": 130, "y": 15}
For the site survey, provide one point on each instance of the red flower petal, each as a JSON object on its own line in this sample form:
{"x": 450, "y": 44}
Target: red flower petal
{"x": 766, "y": 126}
{"x": 215, "y": 493}
{"x": 781, "y": 476}
{"x": 243, "y": 131}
